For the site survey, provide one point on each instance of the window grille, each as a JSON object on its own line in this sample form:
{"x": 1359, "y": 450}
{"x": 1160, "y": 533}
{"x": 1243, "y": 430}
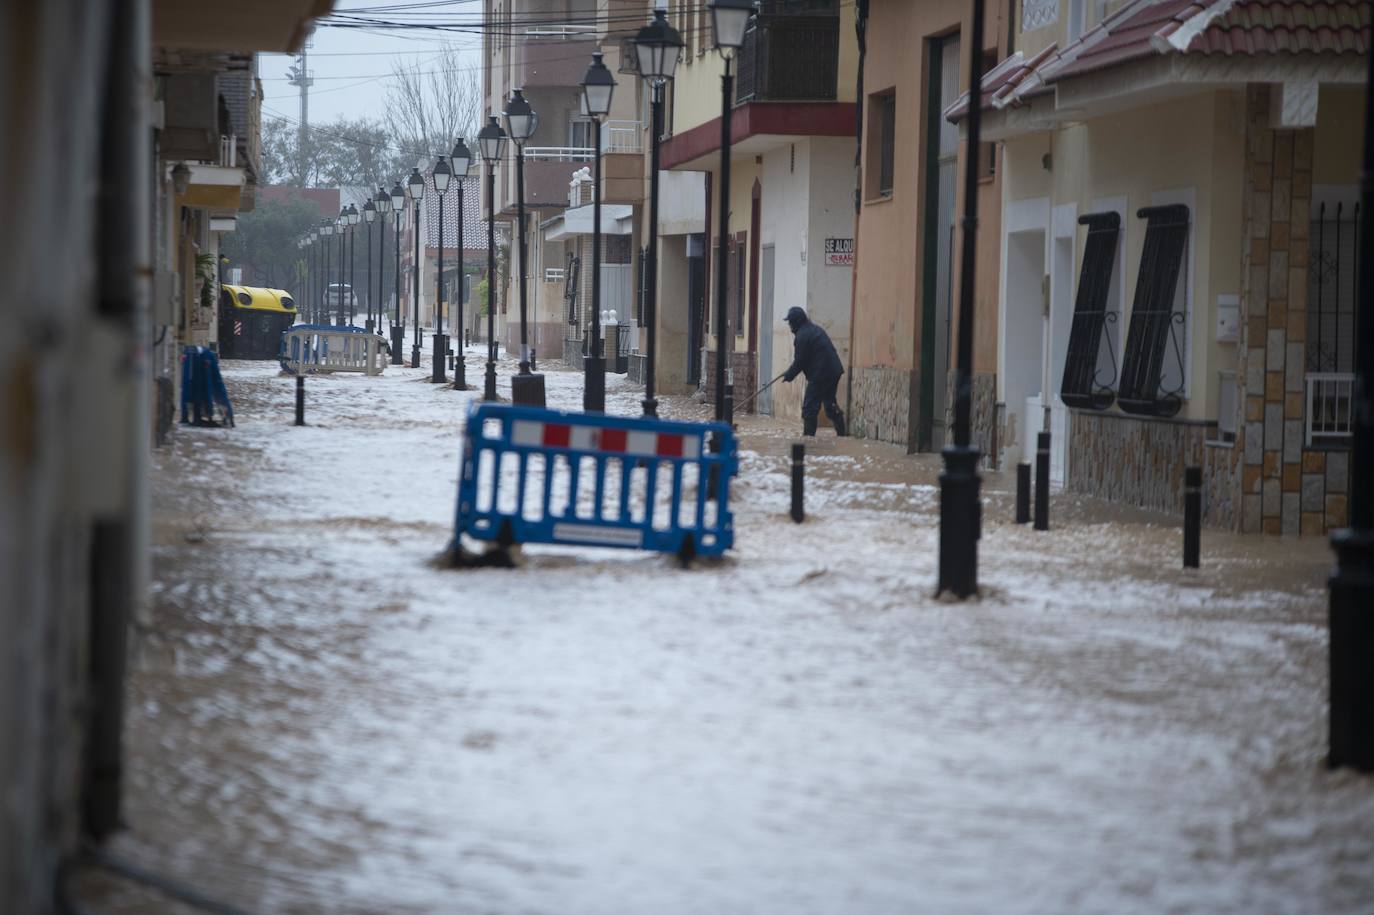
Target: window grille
{"x": 1085, "y": 385}
{"x": 1156, "y": 327}
{"x": 1333, "y": 288}
{"x": 570, "y": 275}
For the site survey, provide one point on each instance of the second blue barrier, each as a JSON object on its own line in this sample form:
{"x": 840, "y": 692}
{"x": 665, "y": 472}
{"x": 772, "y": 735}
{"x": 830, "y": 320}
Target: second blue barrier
{"x": 531, "y": 475}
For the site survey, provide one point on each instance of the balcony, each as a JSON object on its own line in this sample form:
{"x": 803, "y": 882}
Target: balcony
{"x": 548, "y": 169}
{"x": 553, "y": 56}
{"x": 789, "y": 57}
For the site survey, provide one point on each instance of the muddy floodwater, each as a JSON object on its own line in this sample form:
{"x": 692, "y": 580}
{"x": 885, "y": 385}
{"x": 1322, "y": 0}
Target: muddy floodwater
{"x": 320, "y": 720}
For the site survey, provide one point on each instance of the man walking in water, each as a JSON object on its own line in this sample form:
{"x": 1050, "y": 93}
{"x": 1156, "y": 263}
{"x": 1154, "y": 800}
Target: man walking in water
{"x": 817, "y": 360}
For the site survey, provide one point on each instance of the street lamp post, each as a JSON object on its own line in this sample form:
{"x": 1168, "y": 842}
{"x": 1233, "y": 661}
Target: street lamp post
{"x": 369, "y": 214}
{"x": 490, "y": 142}
{"x": 460, "y": 160}
{"x": 312, "y": 300}
{"x": 354, "y": 217}
{"x": 526, "y": 388}
{"x": 441, "y": 175}
{"x": 729, "y": 19}
{"x": 398, "y": 324}
{"x": 326, "y": 231}
{"x": 658, "y": 45}
{"x": 1352, "y": 584}
{"x": 340, "y": 225}
{"x": 415, "y": 184}
{"x": 959, "y": 484}
{"x": 598, "y": 86}
{"x": 383, "y": 205}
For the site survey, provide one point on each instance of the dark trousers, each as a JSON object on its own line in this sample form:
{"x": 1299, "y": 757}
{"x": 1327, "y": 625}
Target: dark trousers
{"x": 821, "y": 393}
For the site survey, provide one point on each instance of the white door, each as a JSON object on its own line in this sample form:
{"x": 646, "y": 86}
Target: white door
{"x": 1024, "y": 339}
{"x": 1058, "y": 324}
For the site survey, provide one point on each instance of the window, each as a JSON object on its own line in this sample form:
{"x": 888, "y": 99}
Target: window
{"x": 1332, "y": 280}
{"x": 580, "y": 134}
{"x": 882, "y": 130}
{"x": 1086, "y": 385}
{"x": 1152, "y": 364}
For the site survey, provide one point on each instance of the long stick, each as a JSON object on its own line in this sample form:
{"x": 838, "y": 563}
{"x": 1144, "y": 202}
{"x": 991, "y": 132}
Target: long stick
{"x": 760, "y": 391}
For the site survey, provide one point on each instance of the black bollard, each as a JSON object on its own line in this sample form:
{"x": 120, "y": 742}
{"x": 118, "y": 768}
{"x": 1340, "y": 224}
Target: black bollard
{"x": 1042, "y": 482}
{"x": 300, "y": 400}
{"x": 1192, "y": 516}
{"x": 798, "y": 474}
{"x": 1023, "y": 492}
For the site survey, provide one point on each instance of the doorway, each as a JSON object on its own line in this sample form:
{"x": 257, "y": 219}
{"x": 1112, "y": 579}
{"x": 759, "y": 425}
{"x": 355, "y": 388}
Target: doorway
{"x": 696, "y": 305}
{"x": 766, "y": 329}
{"x": 1024, "y": 349}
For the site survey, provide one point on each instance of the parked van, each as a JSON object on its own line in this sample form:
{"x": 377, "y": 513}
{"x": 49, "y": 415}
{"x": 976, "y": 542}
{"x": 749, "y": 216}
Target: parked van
{"x": 332, "y": 297}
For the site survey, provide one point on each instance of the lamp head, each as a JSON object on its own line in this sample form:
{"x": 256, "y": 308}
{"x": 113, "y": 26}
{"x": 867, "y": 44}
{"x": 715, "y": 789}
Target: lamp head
{"x": 729, "y": 20}
{"x": 658, "y": 45}
{"x": 598, "y": 86}
{"x": 460, "y": 159}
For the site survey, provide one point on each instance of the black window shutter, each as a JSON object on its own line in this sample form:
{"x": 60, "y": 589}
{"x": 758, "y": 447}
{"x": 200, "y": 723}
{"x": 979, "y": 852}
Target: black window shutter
{"x": 1084, "y": 386}
{"x": 1155, "y": 329}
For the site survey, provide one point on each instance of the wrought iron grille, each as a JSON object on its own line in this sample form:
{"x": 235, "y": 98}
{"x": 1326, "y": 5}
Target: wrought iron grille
{"x": 1155, "y": 325}
{"x": 789, "y": 56}
{"x": 1085, "y": 385}
{"x": 571, "y": 275}
{"x": 1333, "y": 278}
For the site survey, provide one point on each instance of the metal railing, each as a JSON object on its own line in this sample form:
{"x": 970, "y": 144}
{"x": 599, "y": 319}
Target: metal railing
{"x": 229, "y": 150}
{"x": 560, "y": 31}
{"x": 621, "y": 137}
{"x": 789, "y": 58}
{"x": 1330, "y": 407}
{"x": 559, "y": 153}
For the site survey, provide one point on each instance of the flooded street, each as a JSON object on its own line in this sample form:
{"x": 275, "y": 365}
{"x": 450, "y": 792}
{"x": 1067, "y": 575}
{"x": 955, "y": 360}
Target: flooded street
{"x": 320, "y": 720}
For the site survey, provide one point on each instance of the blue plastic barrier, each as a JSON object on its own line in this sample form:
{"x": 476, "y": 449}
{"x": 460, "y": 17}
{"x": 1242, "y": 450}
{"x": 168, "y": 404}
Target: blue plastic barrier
{"x": 202, "y": 387}
{"x": 531, "y": 475}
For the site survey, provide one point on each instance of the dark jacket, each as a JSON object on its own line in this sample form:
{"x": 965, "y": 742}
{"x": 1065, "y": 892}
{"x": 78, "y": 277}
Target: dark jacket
{"x": 815, "y": 354}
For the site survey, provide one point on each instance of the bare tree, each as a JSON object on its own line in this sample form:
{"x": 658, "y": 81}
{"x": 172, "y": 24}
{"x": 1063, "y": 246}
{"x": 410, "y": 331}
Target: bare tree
{"x": 432, "y": 103}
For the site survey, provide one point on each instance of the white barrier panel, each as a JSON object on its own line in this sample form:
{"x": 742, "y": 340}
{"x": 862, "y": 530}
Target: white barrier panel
{"x": 314, "y": 348}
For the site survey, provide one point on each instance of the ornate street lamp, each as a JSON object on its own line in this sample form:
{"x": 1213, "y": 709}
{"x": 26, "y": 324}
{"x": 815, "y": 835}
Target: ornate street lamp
{"x": 598, "y": 87}
{"x": 311, "y": 300}
{"x": 959, "y": 484}
{"x": 729, "y": 19}
{"x": 460, "y": 160}
{"x": 382, "y": 204}
{"x": 354, "y": 217}
{"x": 658, "y": 45}
{"x": 415, "y": 186}
{"x": 369, "y": 214}
{"x": 340, "y": 229}
{"x": 326, "y": 231}
{"x": 526, "y": 388}
{"x": 491, "y": 141}
{"x": 441, "y": 175}
{"x": 398, "y": 323}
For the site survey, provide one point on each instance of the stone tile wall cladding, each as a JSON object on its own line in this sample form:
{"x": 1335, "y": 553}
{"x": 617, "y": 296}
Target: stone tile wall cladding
{"x": 746, "y": 375}
{"x": 1285, "y": 488}
{"x": 880, "y": 405}
{"x": 983, "y": 421}
{"x": 1140, "y": 462}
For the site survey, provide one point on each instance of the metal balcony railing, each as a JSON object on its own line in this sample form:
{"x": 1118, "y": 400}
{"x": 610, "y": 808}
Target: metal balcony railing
{"x": 228, "y": 150}
{"x": 559, "y": 153}
{"x": 622, "y": 137}
{"x": 560, "y": 31}
{"x": 789, "y": 58}
{"x": 1330, "y": 408}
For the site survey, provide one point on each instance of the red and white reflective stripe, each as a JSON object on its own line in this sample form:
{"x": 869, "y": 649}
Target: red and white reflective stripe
{"x": 533, "y": 434}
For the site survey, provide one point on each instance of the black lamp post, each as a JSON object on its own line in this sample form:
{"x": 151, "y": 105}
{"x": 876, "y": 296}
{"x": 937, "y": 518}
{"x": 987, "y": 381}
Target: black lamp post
{"x": 415, "y": 185}
{"x": 398, "y": 323}
{"x": 312, "y": 300}
{"x": 658, "y": 45}
{"x": 382, "y": 203}
{"x": 598, "y": 86}
{"x": 491, "y": 141}
{"x": 526, "y": 388}
{"x": 340, "y": 227}
{"x": 1352, "y": 584}
{"x": 326, "y": 231}
{"x": 460, "y": 159}
{"x": 729, "y": 19}
{"x": 369, "y": 214}
{"x": 960, "y": 483}
{"x": 441, "y": 176}
{"x": 354, "y": 217}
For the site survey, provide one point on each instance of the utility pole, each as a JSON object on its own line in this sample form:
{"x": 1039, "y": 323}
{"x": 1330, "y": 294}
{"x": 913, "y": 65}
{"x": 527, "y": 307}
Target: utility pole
{"x": 300, "y": 76}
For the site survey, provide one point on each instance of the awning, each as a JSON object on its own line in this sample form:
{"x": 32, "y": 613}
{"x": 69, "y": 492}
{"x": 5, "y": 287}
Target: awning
{"x": 616, "y": 219}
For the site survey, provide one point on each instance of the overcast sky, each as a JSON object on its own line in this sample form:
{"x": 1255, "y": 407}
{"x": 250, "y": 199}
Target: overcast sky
{"x": 352, "y": 67}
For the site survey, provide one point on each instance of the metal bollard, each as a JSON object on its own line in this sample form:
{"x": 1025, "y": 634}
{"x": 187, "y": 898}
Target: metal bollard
{"x": 1042, "y": 482}
{"x": 300, "y": 400}
{"x": 1023, "y": 492}
{"x": 798, "y": 474}
{"x": 1192, "y": 516}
